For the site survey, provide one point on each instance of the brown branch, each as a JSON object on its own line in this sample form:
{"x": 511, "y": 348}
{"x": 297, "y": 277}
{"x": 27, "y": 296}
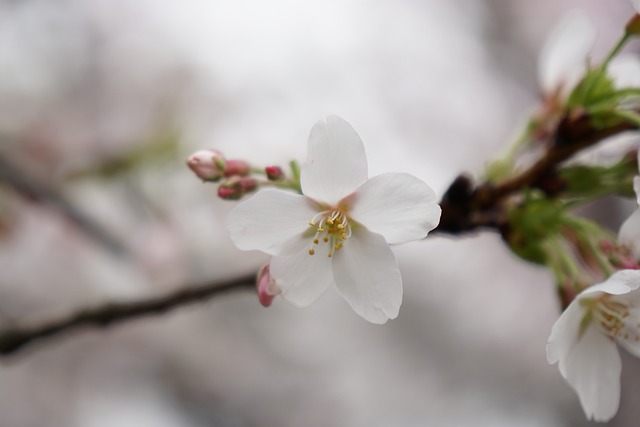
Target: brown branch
{"x": 14, "y": 340}
{"x": 467, "y": 208}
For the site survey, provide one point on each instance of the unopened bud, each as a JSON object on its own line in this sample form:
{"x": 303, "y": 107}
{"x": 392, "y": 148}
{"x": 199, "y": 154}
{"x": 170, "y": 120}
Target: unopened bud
{"x": 207, "y": 164}
{"x": 633, "y": 26}
{"x": 237, "y": 168}
{"x": 607, "y": 246}
{"x": 267, "y": 287}
{"x": 236, "y": 187}
{"x": 274, "y": 173}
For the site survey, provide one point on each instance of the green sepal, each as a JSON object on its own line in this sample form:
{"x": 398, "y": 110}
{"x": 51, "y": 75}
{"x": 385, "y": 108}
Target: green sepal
{"x": 530, "y": 225}
{"x": 596, "y": 87}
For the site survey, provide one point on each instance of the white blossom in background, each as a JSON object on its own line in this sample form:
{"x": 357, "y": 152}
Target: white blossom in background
{"x": 636, "y": 4}
{"x": 565, "y": 56}
{"x": 629, "y": 234}
{"x": 583, "y": 341}
{"x": 339, "y": 231}
{"x": 563, "y": 59}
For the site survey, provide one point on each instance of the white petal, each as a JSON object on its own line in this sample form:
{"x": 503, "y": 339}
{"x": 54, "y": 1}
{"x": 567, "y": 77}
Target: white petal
{"x": 630, "y": 343}
{"x": 368, "y": 277}
{"x": 636, "y": 186}
{"x": 564, "y": 56}
{"x": 564, "y": 334}
{"x": 608, "y": 154}
{"x": 630, "y": 233}
{"x": 336, "y": 163}
{"x": 397, "y": 205}
{"x": 303, "y": 278}
{"x": 625, "y": 71}
{"x": 593, "y": 369}
{"x": 272, "y": 221}
{"x": 636, "y": 4}
{"x": 620, "y": 283}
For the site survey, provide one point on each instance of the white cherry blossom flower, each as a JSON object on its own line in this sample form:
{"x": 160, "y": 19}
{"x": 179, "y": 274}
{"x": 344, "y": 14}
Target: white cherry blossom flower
{"x": 629, "y": 233}
{"x": 583, "y": 341}
{"x": 563, "y": 59}
{"x": 339, "y": 231}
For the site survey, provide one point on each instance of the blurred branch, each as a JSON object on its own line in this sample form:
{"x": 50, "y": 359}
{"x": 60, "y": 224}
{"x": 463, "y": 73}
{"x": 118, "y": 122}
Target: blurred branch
{"x": 33, "y": 190}
{"x": 14, "y": 340}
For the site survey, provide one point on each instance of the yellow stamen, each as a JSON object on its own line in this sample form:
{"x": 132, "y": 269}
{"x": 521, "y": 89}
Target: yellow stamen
{"x": 332, "y": 226}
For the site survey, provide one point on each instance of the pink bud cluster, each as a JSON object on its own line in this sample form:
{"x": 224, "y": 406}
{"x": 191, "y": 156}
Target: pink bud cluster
{"x": 211, "y": 165}
{"x": 234, "y": 176}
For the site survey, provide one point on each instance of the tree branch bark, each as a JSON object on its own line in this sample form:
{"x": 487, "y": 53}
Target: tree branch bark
{"x": 14, "y": 340}
{"x": 468, "y": 208}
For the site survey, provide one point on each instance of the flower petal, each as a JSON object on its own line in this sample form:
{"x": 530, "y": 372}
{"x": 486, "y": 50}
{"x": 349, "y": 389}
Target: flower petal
{"x": 636, "y": 4}
{"x": 397, "y": 205}
{"x": 625, "y": 71}
{"x": 629, "y": 339}
{"x": 564, "y": 55}
{"x": 336, "y": 163}
{"x": 620, "y": 283}
{"x": 629, "y": 233}
{"x": 564, "y": 334}
{"x": 272, "y": 221}
{"x": 301, "y": 277}
{"x": 593, "y": 369}
{"x": 368, "y": 277}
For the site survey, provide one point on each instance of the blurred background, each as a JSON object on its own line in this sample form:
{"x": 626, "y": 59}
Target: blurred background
{"x": 101, "y": 101}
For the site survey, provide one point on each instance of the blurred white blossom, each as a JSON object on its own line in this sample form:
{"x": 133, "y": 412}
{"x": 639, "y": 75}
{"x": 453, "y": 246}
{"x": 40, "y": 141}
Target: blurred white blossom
{"x": 563, "y": 58}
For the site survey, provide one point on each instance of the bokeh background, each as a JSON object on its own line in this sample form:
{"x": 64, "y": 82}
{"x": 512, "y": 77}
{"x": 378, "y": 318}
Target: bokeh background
{"x": 103, "y": 100}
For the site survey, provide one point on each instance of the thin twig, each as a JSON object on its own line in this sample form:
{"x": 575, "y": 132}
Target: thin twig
{"x": 14, "y": 340}
{"x": 38, "y": 191}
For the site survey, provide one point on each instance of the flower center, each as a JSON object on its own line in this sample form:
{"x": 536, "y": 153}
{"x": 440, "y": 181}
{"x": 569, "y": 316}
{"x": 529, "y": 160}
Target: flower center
{"x": 332, "y": 227}
{"x": 616, "y": 319}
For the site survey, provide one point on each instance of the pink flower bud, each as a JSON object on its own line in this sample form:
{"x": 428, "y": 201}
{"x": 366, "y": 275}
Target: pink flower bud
{"x": 266, "y": 285}
{"x": 274, "y": 173}
{"x": 207, "y": 164}
{"x": 633, "y": 26}
{"x": 629, "y": 264}
{"x": 237, "y": 167}
{"x": 236, "y": 187}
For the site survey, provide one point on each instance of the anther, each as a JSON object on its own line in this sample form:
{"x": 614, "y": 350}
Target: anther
{"x": 311, "y": 251}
